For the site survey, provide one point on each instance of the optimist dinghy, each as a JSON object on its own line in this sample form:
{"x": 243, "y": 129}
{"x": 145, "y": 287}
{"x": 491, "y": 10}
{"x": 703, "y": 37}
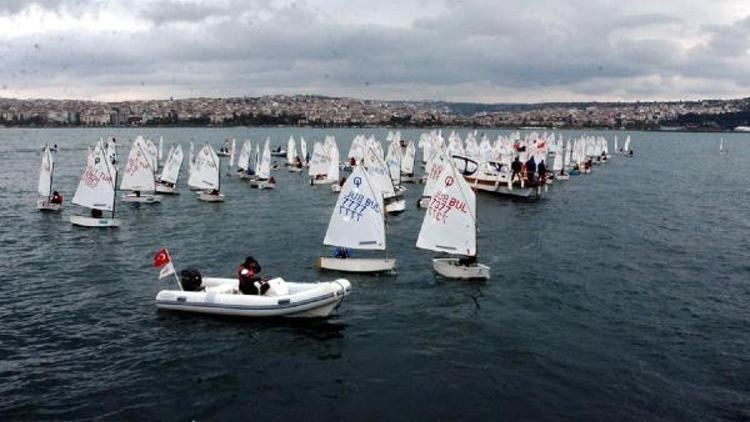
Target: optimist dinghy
{"x": 357, "y": 222}
{"x": 96, "y": 190}
{"x": 139, "y": 175}
{"x": 46, "y": 171}
{"x": 219, "y": 296}
{"x": 450, "y": 226}
{"x": 206, "y": 175}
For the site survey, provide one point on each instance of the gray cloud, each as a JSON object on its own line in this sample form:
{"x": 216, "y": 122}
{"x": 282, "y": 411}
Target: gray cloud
{"x": 463, "y": 51}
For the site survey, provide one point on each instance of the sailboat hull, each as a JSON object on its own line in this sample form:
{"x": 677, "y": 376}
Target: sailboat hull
{"x": 267, "y": 185}
{"x": 321, "y": 181}
{"x": 449, "y": 268}
{"x": 79, "y": 220}
{"x": 356, "y": 265}
{"x": 45, "y": 205}
{"x": 408, "y": 178}
{"x": 424, "y": 202}
{"x": 167, "y": 190}
{"x": 208, "y": 197}
{"x": 336, "y": 188}
{"x": 294, "y": 169}
{"x": 143, "y": 199}
{"x": 395, "y": 205}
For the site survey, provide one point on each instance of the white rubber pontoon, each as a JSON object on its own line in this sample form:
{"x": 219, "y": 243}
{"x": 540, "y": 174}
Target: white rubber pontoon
{"x": 285, "y": 299}
{"x": 356, "y": 265}
{"x": 79, "y": 220}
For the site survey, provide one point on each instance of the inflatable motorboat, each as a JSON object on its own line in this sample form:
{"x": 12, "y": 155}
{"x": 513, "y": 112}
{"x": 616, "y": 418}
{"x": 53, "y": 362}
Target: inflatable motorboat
{"x": 220, "y": 296}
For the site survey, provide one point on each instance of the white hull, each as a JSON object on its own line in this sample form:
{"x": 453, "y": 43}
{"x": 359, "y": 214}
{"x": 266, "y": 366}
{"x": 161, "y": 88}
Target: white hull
{"x": 208, "y": 197}
{"x": 281, "y": 153}
{"x": 408, "y": 178}
{"x": 294, "y": 169}
{"x": 79, "y": 220}
{"x": 424, "y": 202}
{"x": 303, "y": 299}
{"x": 395, "y": 205}
{"x": 356, "y": 265}
{"x": 223, "y": 154}
{"x": 167, "y": 190}
{"x": 449, "y": 268}
{"x": 143, "y": 199}
{"x": 322, "y": 181}
{"x": 45, "y": 205}
{"x": 336, "y": 188}
{"x": 267, "y": 185}
{"x": 562, "y": 177}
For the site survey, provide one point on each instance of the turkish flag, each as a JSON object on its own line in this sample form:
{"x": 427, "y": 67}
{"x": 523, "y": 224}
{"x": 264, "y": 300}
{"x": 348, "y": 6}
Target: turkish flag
{"x": 161, "y": 258}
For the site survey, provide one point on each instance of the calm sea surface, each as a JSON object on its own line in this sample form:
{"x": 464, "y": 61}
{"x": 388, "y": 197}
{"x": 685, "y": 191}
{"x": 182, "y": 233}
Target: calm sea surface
{"x": 621, "y": 295}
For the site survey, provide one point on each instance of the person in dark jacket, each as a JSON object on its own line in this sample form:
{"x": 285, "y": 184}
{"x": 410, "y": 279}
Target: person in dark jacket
{"x": 56, "y": 198}
{"x": 249, "y": 276}
{"x": 542, "y": 170}
{"x": 515, "y": 168}
{"x": 531, "y": 168}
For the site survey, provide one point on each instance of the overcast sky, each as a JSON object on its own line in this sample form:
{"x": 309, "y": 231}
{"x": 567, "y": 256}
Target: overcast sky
{"x": 486, "y": 51}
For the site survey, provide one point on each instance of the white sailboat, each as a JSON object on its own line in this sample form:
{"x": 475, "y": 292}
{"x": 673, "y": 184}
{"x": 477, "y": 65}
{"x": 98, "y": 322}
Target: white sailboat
{"x": 262, "y": 178}
{"x": 243, "y": 159}
{"x": 171, "y": 171}
{"x": 450, "y": 226}
{"x": 303, "y": 151}
{"x": 232, "y": 154}
{"x": 139, "y": 176}
{"x": 407, "y": 163}
{"x": 206, "y": 175}
{"x": 380, "y": 177}
{"x": 626, "y": 147}
{"x": 722, "y": 150}
{"x": 96, "y": 191}
{"x": 319, "y": 166}
{"x": 433, "y": 168}
{"x": 357, "y": 222}
{"x": 46, "y": 172}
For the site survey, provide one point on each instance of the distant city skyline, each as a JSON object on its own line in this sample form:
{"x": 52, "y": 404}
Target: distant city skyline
{"x": 483, "y": 52}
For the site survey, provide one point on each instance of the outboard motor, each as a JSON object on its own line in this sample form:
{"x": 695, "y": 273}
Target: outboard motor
{"x": 191, "y": 279}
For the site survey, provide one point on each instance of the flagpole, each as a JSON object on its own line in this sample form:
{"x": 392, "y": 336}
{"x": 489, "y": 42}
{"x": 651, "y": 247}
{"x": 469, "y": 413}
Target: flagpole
{"x": 174, "y": 273}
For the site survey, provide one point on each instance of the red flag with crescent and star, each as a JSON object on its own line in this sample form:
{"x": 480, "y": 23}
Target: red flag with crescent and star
{"x": 163, "y": 261}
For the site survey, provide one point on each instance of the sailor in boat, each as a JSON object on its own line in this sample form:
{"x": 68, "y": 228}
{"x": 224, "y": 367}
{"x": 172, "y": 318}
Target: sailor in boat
{"x": 342, "y": 181}
{"x": 604, "y": 156}
{"x": 272, "y": 180}
{"x": 631, "y": 153}
{"x": 137, "y": 193}
{"x": 353, "y": 162}
{"x": 56, "y": 198}
{"x": 95, "y": 213}
{"x": 275, "y": 166}
{"x": 468, "y": 261}
{"x": 225, "y": 148}
{"x": 214, "y": 192}
{"x": 321, "y": 176}
{"x": 342, "y": 253}
{"x": 249, "y": 276}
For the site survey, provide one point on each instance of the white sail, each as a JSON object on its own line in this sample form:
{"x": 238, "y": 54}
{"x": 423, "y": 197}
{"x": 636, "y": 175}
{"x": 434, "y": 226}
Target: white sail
{"x": 139, "y": 175}
{"x": 171, "y": 170}
{"x": 243, "y": 159}
{"x": 97, "y": 186}
{"x": 357, "y": 149}
{"x": 393, "y": 162}
{"x": 151, "y": 151}
{"x": 436, "y": 162}
{"x": 333, "y": 161}
{"x": 721, "y": 144}
{"x": 303, "y": 148}
{"x": 616, "y": 149}
{"x": 264, "y": 169}
{"x": 557, "y": 165}
{"x": 45, "y": 172}
{"x": 449, "y": 223}
{"x": 111, "y": 151}
{"x": 291, "y": 151}
{"x": 256, "y": 162}
{"x": 232, "y": 150}
{"x": 378, "y": 173}
{"x": 407, "y": 160}
{"x": 205, "y": 173}
{"x": 357, "y": 219}
{"x": 161, "y": 149}
{"x": 319, "y": 161}
{"x": 626, "y": 147}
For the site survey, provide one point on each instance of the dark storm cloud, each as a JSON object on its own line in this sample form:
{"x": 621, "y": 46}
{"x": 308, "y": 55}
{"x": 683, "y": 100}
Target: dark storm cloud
{"x": 466, "y": 51}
